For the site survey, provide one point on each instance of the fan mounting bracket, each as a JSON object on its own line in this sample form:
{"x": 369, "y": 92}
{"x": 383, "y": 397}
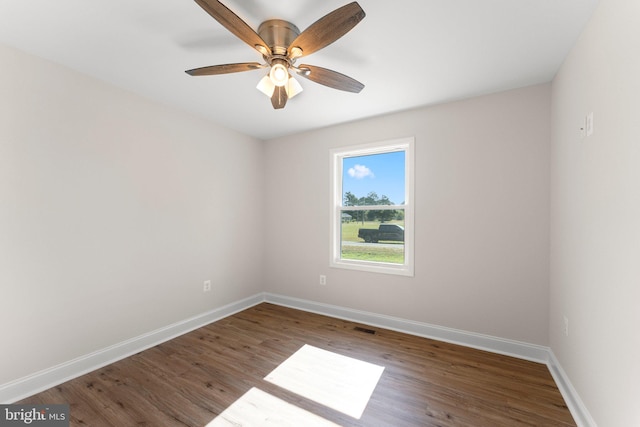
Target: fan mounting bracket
{"x": 278, "y": 34}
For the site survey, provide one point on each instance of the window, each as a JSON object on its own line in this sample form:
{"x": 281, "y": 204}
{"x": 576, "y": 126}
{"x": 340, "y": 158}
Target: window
{"x": 372, "y": 207}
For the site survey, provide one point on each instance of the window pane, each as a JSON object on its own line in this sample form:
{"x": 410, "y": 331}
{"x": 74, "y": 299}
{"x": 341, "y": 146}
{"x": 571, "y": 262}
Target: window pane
{"x": 366, "y": 240}
{"x": 375, "y": 179}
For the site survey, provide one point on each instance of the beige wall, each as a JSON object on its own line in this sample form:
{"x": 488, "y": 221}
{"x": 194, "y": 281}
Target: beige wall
{"x": 482, "y": 209}
{"x": 595, "y": 215}
{"x": 113, "y": 211}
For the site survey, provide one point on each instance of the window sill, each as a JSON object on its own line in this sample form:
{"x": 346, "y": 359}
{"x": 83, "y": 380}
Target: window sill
{"x": 374, "y": 267}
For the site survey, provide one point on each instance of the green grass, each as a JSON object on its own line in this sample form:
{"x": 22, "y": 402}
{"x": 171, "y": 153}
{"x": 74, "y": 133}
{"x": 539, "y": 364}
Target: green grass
{"x": 370, "y": 251}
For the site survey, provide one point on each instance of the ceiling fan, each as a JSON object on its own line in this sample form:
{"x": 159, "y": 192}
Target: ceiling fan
{"x": 281, "y": 43}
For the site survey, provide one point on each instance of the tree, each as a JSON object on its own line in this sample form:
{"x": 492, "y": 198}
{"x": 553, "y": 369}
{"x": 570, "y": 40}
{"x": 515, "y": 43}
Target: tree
{"x": 370, "y": 199}
{"x": 382, "y": 215}
{"x": 350, "y": 199}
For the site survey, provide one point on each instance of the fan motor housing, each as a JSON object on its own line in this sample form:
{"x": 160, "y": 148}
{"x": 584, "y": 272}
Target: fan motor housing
{"x": 278, "y": 34}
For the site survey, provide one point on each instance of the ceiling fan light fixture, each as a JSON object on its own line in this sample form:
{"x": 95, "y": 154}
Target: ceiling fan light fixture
{"x": 266, "y": 86}
{"x": 293, "y": 87}
{"x": 279, "y": 74}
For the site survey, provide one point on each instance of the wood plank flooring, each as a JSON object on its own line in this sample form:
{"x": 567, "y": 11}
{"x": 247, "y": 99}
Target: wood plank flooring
{"x": 189, "y": 380}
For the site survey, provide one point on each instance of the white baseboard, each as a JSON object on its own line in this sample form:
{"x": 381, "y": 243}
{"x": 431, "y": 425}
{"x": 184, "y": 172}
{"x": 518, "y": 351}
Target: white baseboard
{"x": 45, "y": 379}
{"x": 579, "y": 411}
{"x": 517, "y": 349}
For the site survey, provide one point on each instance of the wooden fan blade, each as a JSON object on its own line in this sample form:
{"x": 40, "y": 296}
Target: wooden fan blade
{"x": 279, "y": 97}
{"x": 233, "y": 23}
{"x": 213, "y": 70}
{"x": 331, "y": 78}
{"x": 329, "y": 28}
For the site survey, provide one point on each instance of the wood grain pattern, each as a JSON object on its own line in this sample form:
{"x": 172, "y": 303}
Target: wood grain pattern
{"x": 213, "y": 70}
{"x": 329, "y": 28}
{"x": 332, "y": 79}
{"x": 190, "y": 380}
{"x": 233, "y": 23}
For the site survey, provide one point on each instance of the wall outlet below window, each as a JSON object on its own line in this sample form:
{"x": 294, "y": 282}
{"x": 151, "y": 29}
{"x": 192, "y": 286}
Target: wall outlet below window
{"x": 323, "y": 279}
{"x": 207, "y": 286}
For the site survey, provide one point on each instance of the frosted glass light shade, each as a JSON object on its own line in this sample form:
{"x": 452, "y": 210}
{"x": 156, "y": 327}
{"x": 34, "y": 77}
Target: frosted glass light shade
{"x": 266, "y": 86}
{"x": 293, "y": 87}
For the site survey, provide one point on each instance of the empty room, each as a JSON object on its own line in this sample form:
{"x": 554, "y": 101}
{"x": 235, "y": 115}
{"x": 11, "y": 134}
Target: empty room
{"x": 326, "y": 213}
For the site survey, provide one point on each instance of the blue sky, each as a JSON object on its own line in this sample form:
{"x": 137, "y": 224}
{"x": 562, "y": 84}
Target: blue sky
{"x": 382, "y": 173}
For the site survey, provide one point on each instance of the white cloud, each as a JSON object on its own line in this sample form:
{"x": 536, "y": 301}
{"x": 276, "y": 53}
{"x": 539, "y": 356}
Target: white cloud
{"x": 360, "y": 171}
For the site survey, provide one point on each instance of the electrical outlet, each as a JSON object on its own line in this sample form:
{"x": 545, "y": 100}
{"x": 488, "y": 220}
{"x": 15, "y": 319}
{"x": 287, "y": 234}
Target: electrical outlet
{"x": 323, "y": 279}
{"x": 565, "y": 326}
{"x": 207, "y": 286}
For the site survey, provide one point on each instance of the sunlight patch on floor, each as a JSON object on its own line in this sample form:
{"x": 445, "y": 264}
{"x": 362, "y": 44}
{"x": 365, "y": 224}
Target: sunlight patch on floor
{"x": 333, "y": 380}
{"x": 257, "y": 408}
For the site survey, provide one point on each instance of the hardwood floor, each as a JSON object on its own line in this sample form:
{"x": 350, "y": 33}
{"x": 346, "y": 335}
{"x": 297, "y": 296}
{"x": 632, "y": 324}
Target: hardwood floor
{"x": 189, "y": 380}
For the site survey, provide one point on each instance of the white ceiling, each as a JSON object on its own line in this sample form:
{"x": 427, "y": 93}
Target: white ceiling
{"x": 408, "y": 53}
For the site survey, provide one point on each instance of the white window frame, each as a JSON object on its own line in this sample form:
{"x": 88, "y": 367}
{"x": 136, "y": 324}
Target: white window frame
{"x": 381, "y": 147}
